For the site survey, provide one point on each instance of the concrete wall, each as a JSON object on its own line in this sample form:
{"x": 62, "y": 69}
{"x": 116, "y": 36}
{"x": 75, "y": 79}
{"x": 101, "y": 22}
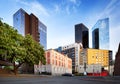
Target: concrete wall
{"x": 54, "y": 70}
{"x": 94, "y": 68}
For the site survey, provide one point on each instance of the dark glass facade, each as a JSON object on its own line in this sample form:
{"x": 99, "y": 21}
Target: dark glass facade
{"x": 82, "y": 35}
{"x": 100, "y": 34}
{"x": 95, "y": 36}
{"x": 71, "y": 54}
{"x": 110, "y": 58}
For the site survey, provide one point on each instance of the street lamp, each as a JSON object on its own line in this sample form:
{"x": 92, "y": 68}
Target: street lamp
{"x": 93, "y": 69}
{"x": 85, "y": 73}
{"x": 84, "y": 61}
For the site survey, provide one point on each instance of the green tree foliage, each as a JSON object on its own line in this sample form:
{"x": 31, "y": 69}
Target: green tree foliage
{"x": 16, "y": 48}
{"x": 34, "y": 50}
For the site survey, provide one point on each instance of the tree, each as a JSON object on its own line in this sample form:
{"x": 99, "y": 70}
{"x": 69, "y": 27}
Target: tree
{"x": 34, "y": 51}
{"x": 16, "y": 48}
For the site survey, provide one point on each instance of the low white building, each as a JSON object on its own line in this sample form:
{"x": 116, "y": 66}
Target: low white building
{"x": 93, "y": 68}
{"x": 56, "y": 64}
{"x": 111, "y": 70}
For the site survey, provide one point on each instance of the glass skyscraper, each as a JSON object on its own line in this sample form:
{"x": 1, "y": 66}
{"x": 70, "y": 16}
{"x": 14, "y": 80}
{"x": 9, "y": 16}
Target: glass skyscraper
{"x": 43, "y": 34}
{"x": 100, "y": 34}
{"x": 30, "y": 24}
{"x": 82, "y": 35}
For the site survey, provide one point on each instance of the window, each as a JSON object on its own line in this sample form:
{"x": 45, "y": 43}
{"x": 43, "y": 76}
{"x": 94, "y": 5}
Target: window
{"x": 48, "y": 54}
{"x": 48, "y": 61}
{"x": 53, "y": 61}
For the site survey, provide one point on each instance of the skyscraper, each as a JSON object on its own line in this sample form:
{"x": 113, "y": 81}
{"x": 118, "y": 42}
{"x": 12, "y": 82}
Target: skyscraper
{"x": 100, "y": 34}
{"x": 30, "y": 24}
{"x": 82, "y": 35}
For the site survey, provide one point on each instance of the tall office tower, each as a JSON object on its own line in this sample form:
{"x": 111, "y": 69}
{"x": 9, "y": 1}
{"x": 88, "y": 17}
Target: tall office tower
{"x": 100, "y": 34}
{"x": 30, "y": 24}
{"x": 82, "y": 35}
{"x": 73, "y": 52}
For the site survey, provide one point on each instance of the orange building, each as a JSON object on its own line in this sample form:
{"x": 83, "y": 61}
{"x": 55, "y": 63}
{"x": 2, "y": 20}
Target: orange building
{"x": 56, "y": 63}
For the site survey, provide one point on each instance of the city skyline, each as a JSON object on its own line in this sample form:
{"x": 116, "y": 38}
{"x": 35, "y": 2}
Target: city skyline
{"x": 60, "y": 17}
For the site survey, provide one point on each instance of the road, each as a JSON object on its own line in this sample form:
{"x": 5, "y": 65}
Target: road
{"x": 55, "y": 80}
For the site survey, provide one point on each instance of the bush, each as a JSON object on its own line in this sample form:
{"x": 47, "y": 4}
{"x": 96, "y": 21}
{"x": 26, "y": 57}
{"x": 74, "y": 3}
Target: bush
{"x": 46, "y": 73}
{"x": 8, "y": 68}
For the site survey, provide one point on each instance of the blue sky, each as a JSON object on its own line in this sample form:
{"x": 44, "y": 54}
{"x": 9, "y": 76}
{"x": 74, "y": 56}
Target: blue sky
{"x": 60, "y": 16}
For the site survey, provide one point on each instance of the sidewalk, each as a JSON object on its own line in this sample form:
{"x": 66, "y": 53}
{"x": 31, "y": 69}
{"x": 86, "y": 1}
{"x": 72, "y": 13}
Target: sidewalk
{"x": 23, "y": 75}
{"x": 105, "y": 79}
{"x": 115, "y": 78}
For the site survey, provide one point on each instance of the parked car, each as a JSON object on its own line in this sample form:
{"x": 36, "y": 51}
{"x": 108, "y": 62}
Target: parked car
{"x": 68, "y": 74}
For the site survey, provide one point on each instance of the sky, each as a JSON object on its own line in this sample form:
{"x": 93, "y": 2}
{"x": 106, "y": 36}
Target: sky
{"x": 60, "y": 16}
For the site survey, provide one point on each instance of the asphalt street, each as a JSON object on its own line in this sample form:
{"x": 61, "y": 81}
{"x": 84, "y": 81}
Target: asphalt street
{"x": 56, "y": 80}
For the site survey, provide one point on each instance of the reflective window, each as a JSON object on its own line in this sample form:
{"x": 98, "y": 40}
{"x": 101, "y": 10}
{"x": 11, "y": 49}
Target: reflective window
{"x": 19, "y": 21}
{"x": 43, "y": 35}
{"x": 100, "y": 34}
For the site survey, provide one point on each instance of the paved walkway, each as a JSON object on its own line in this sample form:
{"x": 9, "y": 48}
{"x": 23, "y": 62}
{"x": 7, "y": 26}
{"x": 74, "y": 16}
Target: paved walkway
{"x": 108, "y": 78}
{"x": 23, "y": 75}
{"x": 89, "y": 78}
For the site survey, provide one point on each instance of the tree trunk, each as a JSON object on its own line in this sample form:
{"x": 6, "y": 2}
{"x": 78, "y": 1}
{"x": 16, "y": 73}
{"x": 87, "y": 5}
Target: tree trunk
{"x": 15, "y": 69}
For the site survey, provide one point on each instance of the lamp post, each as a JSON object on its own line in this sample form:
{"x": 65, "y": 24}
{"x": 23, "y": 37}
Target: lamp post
{"x": 93, "y": 69}
{"x": 85, "y": 73}
{"x": 76, "y": 69}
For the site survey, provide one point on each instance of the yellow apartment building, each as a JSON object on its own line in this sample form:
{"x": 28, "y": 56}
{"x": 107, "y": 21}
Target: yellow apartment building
{"x": 98, "y": 56}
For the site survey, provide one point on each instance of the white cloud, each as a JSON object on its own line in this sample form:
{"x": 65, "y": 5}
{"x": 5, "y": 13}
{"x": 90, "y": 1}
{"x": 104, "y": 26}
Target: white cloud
{"x": 114, "y": 39}
{"x": 67, "y": 10}
{"x": 108, "y": 9}
{"x": 73, "y": 1}
{"x": 57, "y": 8}
{"x": 67, "y": 6}
{"x": 34, "y": 7}
{"x": 38, "y": 8}
{"x": 60, "y": 41}
{"x": 22, "y": 2}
